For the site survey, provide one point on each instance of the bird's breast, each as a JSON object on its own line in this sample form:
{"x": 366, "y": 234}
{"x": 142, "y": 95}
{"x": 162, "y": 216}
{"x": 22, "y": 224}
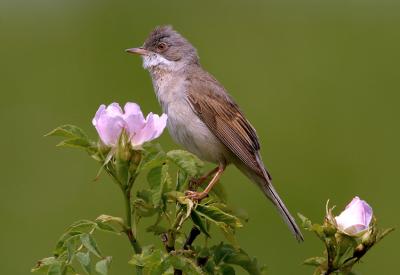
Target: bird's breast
{"x": 184, "y": 126}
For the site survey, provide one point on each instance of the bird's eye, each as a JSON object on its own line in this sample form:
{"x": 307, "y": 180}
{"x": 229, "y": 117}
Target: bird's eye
{"x": 161, "y": 46}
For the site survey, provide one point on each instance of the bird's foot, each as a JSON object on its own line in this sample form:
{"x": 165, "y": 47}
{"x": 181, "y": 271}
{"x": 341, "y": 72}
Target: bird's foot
{"x": 196, "y": 196}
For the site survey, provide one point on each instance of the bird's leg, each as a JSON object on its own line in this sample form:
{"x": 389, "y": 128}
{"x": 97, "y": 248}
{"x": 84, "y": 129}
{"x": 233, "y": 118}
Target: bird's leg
{"x": 201, "y": 195}
{"x": 194, "y": 183}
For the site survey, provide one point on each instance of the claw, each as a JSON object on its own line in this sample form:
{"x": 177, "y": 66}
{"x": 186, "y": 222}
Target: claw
{"x": 196, "y": 196}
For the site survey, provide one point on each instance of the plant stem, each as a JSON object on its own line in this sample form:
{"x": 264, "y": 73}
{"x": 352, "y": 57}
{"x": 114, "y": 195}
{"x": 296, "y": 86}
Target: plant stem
{"x": 194, "y": 232}
{"x": 129, "y": 232}
{"x": 135, "y": 244}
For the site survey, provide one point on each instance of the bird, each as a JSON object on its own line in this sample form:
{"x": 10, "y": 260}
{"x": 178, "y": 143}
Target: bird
{"x": 202, "y": 117}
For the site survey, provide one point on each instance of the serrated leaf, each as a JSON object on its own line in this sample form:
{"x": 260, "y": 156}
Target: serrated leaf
{"x": 84, "y": 260}
{"x": 90, "y": 244}
{"x": 186, "y": 161}
{"x": 158, "y": 178}
{"x": 75, "y": 143}
{"x": 199, "y": 223}
{"x": 154, "y": 177}
{"x": 68, "y": 131}
{"x": 314, "y": 261}
{"x": 103, "y": 266}
{"x": 217, "y": 216}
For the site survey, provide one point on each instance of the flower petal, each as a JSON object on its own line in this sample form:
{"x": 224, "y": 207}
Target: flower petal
{"x": 132, "y": 108}
{"x": 153, "y": 129}
{"x": 114, "y": 110}
{"x": 355, "y": 218}
{"x": 108, "y": 122}
{"x": 101, "y": 109}
{"x": 109, "y": 129}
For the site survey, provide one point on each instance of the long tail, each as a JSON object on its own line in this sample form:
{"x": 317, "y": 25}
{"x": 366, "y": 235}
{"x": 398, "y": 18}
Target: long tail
{"x": 269, "y": 191}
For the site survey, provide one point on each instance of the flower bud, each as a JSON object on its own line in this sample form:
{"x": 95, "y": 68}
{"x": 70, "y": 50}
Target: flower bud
{"x": 124, "y": 148}
{"x": 329, "y": 229}
{"x": 355, "y": 219}
{"x": 135, "y": 160}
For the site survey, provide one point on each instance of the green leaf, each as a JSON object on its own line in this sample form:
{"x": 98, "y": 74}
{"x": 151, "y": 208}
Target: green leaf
{"x": 90, "y": 244}
{"x": 230, "y": 255}
{"x": 75, "y": 143}
{"x": 107, "y": 228}
{"x": 150, "y": 259}
{"x": 103, "y": 266}
{"x": 217, "y": 216}
{"x": 84, "y": 260}
{"x": 314, "y": 261}
{"x": 153, "y": 156}
{"x": 76, "y": 138}
{"x": 220, "y": 251}
{"x": 60, "y": 246}
{"x": 229, "y": 234}
{"x": 157, "y": 178}
{"x": 154, "y": 177}
{"x": 70, "y": 245}
{"x": 104, "y": 223}
{"x": 186, "y": 161}
{"x": 227, "y": 269}
{"x": 55, "y": 269}
{"x": 199, "y": 223}
{"x": 68, "y": 131}
{"x": 82, "y": 226}
{"x": 143, "y": 204}
{"x": 44, "y": 264}
{"x": 156, "y": 229}
{"x": 181, "y": 180}
{"x": 185, "y": 264}
{"x": 306, "y": 223}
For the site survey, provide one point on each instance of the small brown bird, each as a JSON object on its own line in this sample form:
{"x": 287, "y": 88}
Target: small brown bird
{"x": 202, "y": 117}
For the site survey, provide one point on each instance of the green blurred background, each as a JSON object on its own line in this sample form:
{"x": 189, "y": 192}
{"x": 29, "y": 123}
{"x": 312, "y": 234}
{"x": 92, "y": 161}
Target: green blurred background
{"x": 318, "y": 79}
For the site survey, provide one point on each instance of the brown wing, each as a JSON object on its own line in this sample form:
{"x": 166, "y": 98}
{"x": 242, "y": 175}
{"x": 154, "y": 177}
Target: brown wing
{"x": 225, "y": 120}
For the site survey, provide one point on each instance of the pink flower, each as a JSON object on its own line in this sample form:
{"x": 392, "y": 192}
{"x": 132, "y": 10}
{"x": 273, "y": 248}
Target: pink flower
{"x": 355, "y": 219}
{"x": 111, "y": 120}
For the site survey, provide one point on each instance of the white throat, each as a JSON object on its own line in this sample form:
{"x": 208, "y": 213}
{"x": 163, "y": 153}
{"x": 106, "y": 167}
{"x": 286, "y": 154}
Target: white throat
{"x": 156, "y": 61}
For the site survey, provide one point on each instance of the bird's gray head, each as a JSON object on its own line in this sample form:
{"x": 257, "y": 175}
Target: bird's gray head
{"x": 165, "y": 49}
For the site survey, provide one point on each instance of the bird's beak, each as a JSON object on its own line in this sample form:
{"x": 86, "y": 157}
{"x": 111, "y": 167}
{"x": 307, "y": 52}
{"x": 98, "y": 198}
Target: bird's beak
{"x": 139, "y": 51}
